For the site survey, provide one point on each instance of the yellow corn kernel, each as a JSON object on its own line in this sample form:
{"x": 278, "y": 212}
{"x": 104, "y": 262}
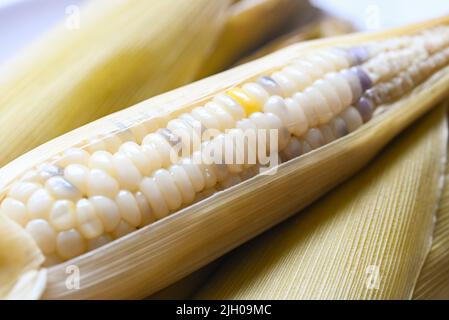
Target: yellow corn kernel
{"x": 248, "y": 103}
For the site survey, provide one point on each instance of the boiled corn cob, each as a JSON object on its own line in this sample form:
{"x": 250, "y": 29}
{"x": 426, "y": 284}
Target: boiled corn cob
{"x": 110, "y": 186}
{"x": 104, "y": 196}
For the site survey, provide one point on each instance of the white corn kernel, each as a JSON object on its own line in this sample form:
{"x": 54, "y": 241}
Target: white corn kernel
{"x": 129, "y": 209}
{"x": 322, "y": 109}
{"x": 302, "y": 80}
{"x": 161, "y": 145}
{"x": 307, "y": 105}
{"x": 62, "y": 215}
{"x": 107, "y": 211}
{"x": 128, "y": 176}
{"x": 102, "y": 160}
{"x": 43, "y": 234}
{"x": 286, "y": 83}
{"x": 231, "y": 105}
{"x": 135, "y": 153}
{"x": 327, "y": 133}
{"x": 314, "y": 138}
{"x": 89, "y": 225}
{"x": 276, "y": 105}
{"x": 122, "y": 229}
{"x": 70, "y": 244}
{"x": 16, "y": 210}
{"x": 157, "y": 202}
{"x": 154, "y": 159}
{"x": 40, "y": 204}
{"x": 339, "y": 128}
{"x": 145, "y": 209}
{"x": 206, "y": 118}
{"x": 330, "y": 94}
{"x": 224, "y": 118}
{"x": 256, "y": 91}
{"x": 100, "y": 183}
{"x": 60, "y": 188}
{"x": 293, "y": 149}
{"x": 341, "y": 86}
{"x": 322, "y": 63}
{"x": 77, "y": 175}
{"x": 298, "y": 123}
{"x": 183, "y": 183}
{"x": 194, "y": 174}
{"x": 315, "y": 72}
{"x": 168, "y": 189}
{"x": 352, "y": 118}
{"x": 72, "y": 156}
{"x": 23, "y": 190}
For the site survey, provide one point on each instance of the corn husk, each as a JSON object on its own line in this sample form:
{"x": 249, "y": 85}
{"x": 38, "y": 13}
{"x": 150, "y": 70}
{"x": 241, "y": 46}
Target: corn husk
{"x": 122, "y": 53}
{"x": 433, "y": 281}
{"x": 366, "y": 240}
{"x": 320, "y": 26}
{"x": 158, "y": 255}
{"x": 20, "y": 259}
{"x": 250, "y": 24}
{"x": 188, "y": 286}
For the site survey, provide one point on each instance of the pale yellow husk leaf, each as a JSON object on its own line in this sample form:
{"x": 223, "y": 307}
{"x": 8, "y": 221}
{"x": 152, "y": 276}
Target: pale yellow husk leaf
{"x": 433, "y": 281}
{"x": 122, "y": 53}
{"x": 20, "y": 259}
{"x": 187, "y": 287}
{"x": 321, "y": 26}
{"x": 251, "y": 23}
{"x": 365, "y": 240}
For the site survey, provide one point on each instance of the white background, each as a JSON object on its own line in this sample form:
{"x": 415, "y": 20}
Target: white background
{"x": 21, "y": 21}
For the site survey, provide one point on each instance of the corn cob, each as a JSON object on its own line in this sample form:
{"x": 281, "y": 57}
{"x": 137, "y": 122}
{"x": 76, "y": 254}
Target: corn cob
{"x": 130, "y": 174}
{"x": 93, "y": 194}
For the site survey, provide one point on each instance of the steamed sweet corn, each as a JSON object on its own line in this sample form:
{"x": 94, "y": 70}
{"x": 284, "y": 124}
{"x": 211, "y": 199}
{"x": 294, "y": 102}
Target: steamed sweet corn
{"x": 120, "y": 174}
{"x": 114, "y": 184}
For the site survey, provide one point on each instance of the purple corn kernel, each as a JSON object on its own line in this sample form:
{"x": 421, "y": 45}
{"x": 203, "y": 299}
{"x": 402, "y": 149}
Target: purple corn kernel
{"x": 170, "y": 136}
{"x": 270, "y": 85}
{"x": 354, "y": 82}
{"x": 358, "y": 55}
{"x": 339, "y": 128}
{"x": 366, "y": 108}
{"x": 364, "y": 78}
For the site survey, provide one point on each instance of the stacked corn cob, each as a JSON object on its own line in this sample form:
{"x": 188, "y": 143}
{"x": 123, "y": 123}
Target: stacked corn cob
{"x": 114, "y": 184}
